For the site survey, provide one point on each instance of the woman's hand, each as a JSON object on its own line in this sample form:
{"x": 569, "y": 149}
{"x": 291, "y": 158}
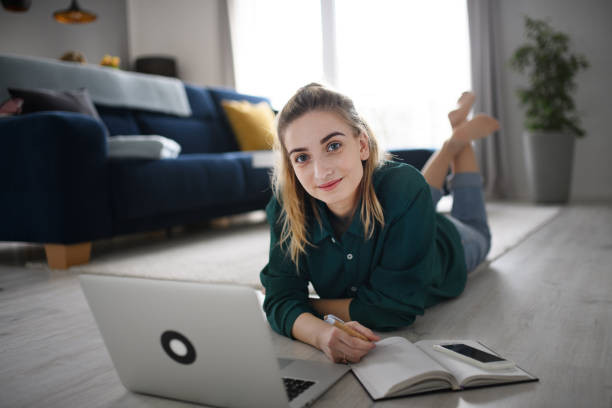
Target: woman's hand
{"x": 341, "y": 347}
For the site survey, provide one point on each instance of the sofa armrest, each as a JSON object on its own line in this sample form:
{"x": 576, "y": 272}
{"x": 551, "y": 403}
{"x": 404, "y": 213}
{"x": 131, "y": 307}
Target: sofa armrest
{"x": 417, "y": 158}
{"x": 414, "y": 157}
{"x": 53, "y": 178}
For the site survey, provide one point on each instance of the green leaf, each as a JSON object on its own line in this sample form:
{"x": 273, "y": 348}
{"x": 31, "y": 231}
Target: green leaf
{"x": 551, "y": 68}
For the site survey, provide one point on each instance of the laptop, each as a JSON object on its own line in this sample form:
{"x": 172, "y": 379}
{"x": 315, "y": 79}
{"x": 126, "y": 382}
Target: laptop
{"x": 199, "y": 342}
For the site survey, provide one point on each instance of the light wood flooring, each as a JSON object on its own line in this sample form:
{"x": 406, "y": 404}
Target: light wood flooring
{"x": 546, "y": 304}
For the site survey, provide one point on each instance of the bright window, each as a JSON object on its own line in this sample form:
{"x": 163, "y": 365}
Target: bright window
{"x": 404, "y": 63}
{"x": 277, "y": 46}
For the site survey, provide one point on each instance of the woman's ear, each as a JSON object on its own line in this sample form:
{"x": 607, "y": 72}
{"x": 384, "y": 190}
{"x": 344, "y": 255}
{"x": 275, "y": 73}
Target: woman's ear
{"x": 364, "y": 146}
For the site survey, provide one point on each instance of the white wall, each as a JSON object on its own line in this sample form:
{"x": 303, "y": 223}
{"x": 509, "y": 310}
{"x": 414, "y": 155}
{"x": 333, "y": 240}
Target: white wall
{"x": 589, "y": 26}
{"x": 36, "y": 33}
{"x": 192, "y": 31}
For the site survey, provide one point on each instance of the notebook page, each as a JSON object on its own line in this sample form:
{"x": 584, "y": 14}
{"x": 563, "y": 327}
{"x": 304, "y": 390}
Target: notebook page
{"x": 466, "y": 373}
{"x": 394, "y": 360}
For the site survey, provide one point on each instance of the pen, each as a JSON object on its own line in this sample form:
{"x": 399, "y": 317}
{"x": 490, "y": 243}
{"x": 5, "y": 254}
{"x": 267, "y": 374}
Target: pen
{"x": 339, "y": 323}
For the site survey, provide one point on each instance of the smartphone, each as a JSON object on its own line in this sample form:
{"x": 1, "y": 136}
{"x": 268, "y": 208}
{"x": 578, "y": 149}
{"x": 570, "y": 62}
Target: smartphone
{"x": 474, "y": 356}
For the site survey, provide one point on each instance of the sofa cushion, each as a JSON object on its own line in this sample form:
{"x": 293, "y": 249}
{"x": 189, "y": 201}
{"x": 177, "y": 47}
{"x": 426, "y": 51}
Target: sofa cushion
{"x": 193, "y": 134}
{"x": 145, "y": 188}
{"x": 39, "y": 100}
{"x": 119, "y": 121}
{"x": 253, "y": 124}
{"x": 203, "y": 132}
{"x": 224, "y": 94}
{"x": 202, "y": 103}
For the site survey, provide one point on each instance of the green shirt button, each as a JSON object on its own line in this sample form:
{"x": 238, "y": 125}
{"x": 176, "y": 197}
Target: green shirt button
{"x": 349, "y": 256}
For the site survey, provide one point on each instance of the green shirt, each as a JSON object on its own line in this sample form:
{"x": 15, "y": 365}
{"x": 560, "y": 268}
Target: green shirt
{"x": 413, "y": 262}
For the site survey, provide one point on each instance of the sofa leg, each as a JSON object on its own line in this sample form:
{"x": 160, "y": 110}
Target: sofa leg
{"x": 64, "y": 256}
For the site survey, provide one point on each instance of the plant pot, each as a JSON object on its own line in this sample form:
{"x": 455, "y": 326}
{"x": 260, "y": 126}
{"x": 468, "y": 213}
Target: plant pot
{"x": 549, "y": 161}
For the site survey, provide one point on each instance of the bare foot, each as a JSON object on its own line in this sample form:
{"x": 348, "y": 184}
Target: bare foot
{"x": 480, "y": 126}
{"x": 464, "y": 104}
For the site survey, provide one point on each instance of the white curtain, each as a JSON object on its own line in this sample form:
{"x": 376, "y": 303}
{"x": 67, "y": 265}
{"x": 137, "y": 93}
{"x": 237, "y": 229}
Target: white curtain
{"x": 487, "y": 64}
{"x": 225, "y": 40}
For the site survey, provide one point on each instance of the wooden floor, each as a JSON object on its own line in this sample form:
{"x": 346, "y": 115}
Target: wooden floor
{"x": 546, "y": 304}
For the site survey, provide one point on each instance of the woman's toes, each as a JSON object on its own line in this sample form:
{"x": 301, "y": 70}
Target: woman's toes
{"x": 486, "y": 124}
{"x": 466, "y": 99}
{"x": 480, "y": 126}
{"x": 464, "y": 105}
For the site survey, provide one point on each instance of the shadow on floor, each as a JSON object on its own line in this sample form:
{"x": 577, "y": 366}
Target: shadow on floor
{"x": 21, "y": 253}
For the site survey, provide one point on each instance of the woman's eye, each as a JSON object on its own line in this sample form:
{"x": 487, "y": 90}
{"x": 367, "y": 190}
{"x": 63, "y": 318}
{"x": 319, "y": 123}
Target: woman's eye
{"x": 300, "y": 158}
{"x": 333, "y": 146}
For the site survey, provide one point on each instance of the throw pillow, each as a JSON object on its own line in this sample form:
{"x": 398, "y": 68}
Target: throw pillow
{"x": 11, "y": 106}
{"x": 37, "y": 100}
{"x": 253, "y": 124}
{"x": 142, "y": 147}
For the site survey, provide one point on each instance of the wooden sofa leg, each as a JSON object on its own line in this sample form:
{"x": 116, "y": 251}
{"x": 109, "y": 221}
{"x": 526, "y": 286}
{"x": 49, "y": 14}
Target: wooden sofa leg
{"x": 64, "y": 256}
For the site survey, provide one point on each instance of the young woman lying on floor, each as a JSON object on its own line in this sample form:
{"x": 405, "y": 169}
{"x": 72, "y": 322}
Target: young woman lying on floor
{"x": 364, "y": 231}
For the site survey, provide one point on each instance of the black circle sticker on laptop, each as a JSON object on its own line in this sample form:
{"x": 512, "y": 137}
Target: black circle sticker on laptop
{"x": 178, "y": 347}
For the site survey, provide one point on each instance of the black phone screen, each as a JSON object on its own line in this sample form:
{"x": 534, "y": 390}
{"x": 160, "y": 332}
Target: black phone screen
{"x": 471, "y": 352}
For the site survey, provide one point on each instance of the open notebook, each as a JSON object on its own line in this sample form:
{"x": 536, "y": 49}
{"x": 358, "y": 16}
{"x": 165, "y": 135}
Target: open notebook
{"x": 397, "y": 367}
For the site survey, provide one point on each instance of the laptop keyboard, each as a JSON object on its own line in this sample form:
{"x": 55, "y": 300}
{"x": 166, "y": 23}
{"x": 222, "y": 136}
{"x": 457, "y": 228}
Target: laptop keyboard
{"x": 295, "y": 387}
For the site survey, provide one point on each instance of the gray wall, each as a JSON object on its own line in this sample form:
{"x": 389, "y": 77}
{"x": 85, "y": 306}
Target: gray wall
{"x": 36, "y": 33}
{"x": 589, "y": 24}
{"x": 196, "y": 34}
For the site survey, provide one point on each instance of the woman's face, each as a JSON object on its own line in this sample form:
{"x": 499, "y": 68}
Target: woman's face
{"x": 326, "y": 158}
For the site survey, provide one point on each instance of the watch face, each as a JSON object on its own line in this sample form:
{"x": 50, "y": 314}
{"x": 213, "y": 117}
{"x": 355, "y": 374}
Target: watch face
{"x": 178, "y": 347}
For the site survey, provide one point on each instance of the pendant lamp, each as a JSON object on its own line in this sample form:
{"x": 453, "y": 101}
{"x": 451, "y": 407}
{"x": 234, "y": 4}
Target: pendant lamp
{"x": 18, "y": 6}
{"x": 74, "y": 15}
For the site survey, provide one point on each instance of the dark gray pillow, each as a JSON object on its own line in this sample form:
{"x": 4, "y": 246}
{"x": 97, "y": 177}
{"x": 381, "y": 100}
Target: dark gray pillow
{"x": 37, "y": 100}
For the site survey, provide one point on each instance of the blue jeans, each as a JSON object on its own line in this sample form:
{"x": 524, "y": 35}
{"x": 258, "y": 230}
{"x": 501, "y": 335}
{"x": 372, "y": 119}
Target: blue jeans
{"x": 468, "y": 215}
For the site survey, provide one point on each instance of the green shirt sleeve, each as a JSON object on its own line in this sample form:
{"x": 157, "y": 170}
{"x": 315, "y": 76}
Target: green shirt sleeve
{"x": 396, "y": 290}
{"x": 286, "y": 289}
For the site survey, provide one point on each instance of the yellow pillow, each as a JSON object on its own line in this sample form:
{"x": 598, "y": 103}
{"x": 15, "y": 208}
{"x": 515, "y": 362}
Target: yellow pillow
{"x": 253, "y": 124}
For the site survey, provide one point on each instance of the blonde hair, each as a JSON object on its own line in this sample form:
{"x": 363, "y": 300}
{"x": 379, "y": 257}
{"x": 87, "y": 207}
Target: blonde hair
{"x": 288, "y": 190}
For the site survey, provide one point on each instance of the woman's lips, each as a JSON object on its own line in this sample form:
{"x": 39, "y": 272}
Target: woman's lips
{"x": 331, "y": 185}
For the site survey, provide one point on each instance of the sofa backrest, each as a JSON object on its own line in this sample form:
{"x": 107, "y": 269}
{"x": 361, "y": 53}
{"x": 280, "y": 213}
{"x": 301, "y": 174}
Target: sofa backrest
{"x": 106, "y": 86}
{"x": 207, "y": 130}
{"x": 118, "y": 121}
{"x": 131, "y": 103}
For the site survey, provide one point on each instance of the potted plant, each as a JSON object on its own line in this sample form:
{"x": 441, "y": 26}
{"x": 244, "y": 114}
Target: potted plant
{"x": 551, "y": 120}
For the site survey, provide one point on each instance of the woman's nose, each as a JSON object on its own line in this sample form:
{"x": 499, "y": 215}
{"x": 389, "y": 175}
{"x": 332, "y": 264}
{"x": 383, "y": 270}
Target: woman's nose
{"x": 322, "y": 170}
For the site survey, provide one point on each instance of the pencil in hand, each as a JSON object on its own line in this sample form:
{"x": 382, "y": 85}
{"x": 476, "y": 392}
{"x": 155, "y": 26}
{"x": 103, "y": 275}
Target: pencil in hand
{"x": 339, "y": 323}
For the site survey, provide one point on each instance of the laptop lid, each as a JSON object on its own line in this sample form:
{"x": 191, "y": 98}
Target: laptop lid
{"x": 196, "y": 342}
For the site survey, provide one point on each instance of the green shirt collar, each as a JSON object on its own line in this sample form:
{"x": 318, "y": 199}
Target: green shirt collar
{"x": 325, "y": 230}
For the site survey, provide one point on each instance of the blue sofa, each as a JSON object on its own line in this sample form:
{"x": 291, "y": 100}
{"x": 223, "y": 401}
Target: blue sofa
{"x": 60, "y": 188}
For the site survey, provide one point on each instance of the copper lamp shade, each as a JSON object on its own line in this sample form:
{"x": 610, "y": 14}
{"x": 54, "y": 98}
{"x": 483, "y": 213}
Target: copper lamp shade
{"x": 74, "y": 15}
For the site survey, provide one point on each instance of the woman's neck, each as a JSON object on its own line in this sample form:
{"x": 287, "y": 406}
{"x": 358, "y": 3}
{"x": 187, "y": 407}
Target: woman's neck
{"x": 342, "y": 213}
{"x": 341, "y": 223}
{"x": 345, "y": 208}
